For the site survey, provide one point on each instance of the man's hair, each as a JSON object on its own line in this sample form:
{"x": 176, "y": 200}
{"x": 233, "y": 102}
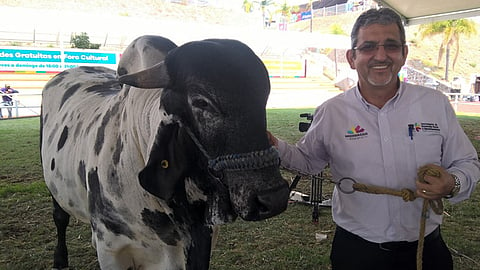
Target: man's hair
{"x": 383, "y": 16}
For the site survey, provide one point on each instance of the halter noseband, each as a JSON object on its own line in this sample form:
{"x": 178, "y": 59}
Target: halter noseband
{"x": 237, "y": 162}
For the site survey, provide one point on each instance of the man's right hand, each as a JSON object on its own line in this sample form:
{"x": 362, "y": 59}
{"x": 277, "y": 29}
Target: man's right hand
{"x": 272, "y": 139}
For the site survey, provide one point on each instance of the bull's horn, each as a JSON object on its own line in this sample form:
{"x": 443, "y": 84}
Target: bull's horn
{"x": 154, "y": 77}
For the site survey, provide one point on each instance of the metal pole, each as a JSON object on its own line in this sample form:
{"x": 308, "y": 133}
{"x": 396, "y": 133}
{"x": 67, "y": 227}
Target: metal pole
{"x": 16, "y": 108}
{"x": 311, "y": 16}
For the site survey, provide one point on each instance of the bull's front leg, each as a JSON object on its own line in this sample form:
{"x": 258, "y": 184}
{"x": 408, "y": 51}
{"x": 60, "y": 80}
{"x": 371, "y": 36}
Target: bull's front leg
{"x": 61, "y": 219}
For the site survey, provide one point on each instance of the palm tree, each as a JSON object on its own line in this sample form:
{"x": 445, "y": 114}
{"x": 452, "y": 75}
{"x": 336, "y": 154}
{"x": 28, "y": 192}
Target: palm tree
{"x": 263, "y": 6}
{"x": 247, "y": 6}
{"x": 451, "y": 30}
{"x": 285, "y": 11}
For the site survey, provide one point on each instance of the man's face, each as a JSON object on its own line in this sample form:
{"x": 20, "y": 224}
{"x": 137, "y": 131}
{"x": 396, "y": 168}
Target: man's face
{"x": 378, "y": 66}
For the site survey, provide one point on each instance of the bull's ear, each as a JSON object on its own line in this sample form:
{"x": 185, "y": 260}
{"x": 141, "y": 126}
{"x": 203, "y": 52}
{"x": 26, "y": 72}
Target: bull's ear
{"x": 153, "y": 77}
{"x": 168, "y": 162}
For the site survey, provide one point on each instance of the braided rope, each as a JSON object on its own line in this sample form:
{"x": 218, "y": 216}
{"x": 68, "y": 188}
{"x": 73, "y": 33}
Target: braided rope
{"x": 406, "y": 194}
{"x": 436, "y": 205}
{"x": 245, "y": 161}
{"x": 237, "y": 162}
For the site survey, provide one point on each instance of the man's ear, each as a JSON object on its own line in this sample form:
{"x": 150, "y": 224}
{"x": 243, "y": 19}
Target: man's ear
{"x": 405, "y": 52}
{"x": 351, "y": 58}
{"x": 168, "y": 163}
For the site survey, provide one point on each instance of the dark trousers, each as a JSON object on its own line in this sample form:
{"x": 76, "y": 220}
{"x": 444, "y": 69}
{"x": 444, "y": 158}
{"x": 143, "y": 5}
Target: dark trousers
{"x": 351, "y": 252}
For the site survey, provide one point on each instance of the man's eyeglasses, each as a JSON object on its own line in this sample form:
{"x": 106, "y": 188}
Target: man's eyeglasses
{"x": 372, "y": 47}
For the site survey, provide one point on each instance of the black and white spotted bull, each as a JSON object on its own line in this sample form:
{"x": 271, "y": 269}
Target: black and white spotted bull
{"x": 155, "y": 155}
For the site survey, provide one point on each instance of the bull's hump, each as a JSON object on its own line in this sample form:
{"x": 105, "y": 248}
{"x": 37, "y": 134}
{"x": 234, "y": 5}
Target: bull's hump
{"x": 92, "y": 81}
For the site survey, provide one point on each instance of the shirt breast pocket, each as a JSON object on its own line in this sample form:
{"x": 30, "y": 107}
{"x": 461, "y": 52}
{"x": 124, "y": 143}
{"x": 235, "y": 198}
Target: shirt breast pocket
{"x": 428, "y": 148}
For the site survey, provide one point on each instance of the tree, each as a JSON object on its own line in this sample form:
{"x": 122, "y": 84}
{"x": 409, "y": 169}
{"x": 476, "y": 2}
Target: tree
{"x": 263, "y": 7}
{"x": 247, "y": 6}
{"x": 451, "y": 30}
{"x": 286, "y": 10}
{"x": 82, "y": 41}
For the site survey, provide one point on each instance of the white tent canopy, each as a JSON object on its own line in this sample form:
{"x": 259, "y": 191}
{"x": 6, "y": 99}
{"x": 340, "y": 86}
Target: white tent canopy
{"x": 427, "y": 11}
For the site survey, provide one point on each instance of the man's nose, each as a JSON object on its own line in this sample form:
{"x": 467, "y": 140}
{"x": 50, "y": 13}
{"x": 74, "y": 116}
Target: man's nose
{"x": 380, "y": 53}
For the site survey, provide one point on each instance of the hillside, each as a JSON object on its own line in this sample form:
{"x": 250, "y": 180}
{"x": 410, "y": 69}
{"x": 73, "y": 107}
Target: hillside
{"x": 423, "y": 53}
{"x": 132, "y": 8}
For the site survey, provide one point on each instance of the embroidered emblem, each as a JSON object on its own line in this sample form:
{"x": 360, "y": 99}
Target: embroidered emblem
{"x": 356, "y": 132}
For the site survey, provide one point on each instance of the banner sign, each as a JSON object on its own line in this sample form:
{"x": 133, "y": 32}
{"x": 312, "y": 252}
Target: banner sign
{"x": 13, "y": 59}
{"x": 306, "y": 15}
{"x": 285, "y": 68}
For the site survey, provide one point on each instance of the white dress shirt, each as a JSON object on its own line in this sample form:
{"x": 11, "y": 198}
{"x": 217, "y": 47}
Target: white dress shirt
{"x": 377, "y": 147}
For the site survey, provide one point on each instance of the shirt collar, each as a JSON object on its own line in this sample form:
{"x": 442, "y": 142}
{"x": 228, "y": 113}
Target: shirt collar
{"x": 391, "y": 103}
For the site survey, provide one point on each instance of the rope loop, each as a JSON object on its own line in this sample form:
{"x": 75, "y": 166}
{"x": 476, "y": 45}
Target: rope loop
{"x": 436, "y": 205}
{"x": 407, "y": 195}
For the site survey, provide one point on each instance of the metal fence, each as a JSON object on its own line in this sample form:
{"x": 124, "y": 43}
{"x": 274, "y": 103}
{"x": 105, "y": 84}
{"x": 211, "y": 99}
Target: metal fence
{"x": 58, "y": 39}
{"x": 29, "y": 104}
{"x": 23, "y": 104}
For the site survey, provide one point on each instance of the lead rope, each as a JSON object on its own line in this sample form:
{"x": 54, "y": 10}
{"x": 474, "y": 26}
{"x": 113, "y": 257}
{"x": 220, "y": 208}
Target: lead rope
{"x": 409, "y": 195}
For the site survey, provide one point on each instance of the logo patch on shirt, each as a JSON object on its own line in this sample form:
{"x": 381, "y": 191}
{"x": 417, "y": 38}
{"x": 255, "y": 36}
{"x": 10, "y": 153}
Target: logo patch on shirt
{"x": 422, "y": 127}
{"x": 356, "y": 132}
{"x": 430, "y": 127}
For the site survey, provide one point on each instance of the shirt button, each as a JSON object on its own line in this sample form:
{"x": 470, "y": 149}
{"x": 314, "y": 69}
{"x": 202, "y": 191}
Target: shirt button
{"x": 385, "y": 139}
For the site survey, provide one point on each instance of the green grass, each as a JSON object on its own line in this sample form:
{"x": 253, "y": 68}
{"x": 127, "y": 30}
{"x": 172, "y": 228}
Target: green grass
{"x": 287, "y": 241}
{"x": 20, "y": 150}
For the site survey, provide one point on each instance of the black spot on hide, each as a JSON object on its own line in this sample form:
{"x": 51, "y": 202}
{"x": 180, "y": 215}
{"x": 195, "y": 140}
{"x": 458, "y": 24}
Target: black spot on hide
{"x": 52, "y": 164}
{"x": 161, "y": 224}
{"x": 43, "y": 118}
{"x": 105, "y": 89}
{"x": 101, "y": 130}
{"x": 71, "y": 203}
{"x": 118, "y": 151}
{"x": 92, "y": 123}
{"x": 82, "y": 173}
{"x": 64, "y": 117}
{"x": 63, "y": 138}
{"x": 103, "y": 209}
{"x": 115, "y": 187}
{"x": 69, "y": 93}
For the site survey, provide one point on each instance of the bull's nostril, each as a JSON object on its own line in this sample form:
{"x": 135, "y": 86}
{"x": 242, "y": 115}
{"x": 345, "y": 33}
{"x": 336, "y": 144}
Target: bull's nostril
{"x": 272, "y": 203}
{"x": 262, "y": 206}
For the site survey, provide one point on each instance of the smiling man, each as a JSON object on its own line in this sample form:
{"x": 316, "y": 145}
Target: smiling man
{"x": 380, "y": 133}
{"x": 378, "y": 53}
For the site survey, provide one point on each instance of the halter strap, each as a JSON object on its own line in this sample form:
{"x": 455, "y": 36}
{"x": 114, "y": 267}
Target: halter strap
{"x": 245, "y": 161}
{"x": 237, "y": 162}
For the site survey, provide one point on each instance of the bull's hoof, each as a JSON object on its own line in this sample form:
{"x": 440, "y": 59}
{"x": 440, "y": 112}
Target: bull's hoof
{"x": 65, "y": 268}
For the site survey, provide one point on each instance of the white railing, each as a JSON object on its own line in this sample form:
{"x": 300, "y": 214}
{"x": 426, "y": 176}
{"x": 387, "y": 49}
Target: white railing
{"x": 23, "y": 104}
{"x": 458, "y": 98}
{"x": 29, "y": 104}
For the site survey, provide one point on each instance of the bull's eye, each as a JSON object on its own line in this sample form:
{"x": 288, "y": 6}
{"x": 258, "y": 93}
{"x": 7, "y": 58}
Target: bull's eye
{"x": 203, "y": 104}
{"x": 200, "y": 103}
